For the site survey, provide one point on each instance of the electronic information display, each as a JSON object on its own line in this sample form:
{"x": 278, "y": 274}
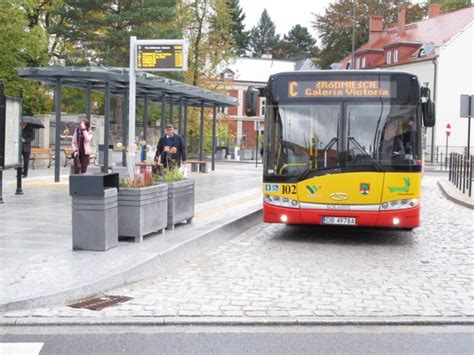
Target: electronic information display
{"x": 161, "y": 57}
{"x": 340, "y": 88}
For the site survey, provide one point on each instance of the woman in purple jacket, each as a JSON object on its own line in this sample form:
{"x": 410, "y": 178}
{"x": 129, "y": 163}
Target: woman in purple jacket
{"x": 81, "y": 145}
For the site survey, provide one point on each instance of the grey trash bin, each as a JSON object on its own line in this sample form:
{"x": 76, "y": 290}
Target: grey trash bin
{"x": 101, "y": 154}
{"x": 94, "y": 211}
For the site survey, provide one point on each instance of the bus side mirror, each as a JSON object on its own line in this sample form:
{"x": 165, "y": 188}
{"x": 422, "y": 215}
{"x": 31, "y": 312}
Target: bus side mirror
{"x": 251, "y": 99}
{"x": 429, "y": 115}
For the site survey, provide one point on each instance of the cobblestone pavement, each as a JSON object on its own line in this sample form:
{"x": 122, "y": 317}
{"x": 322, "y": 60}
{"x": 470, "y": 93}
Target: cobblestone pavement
{"x": 282, "y": 271}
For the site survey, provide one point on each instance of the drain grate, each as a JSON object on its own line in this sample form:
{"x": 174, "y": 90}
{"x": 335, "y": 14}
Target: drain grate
{"x": 99, "y": 303}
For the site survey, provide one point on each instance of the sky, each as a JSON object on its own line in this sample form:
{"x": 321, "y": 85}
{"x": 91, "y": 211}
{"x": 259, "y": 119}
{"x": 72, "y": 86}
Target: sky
{"x": 284, "y": 13}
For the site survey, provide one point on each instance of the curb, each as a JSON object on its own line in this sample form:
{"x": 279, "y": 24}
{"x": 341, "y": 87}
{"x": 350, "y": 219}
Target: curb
{"x": 452, "y": 198}
{"x": 149, "y": 268}
{"x": 245, "y": 321}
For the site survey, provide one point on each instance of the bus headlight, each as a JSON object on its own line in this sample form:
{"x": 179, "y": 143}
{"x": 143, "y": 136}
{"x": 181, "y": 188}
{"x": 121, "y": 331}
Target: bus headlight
{"x": 399, "y": 204}
{"x": 281, "y": 201}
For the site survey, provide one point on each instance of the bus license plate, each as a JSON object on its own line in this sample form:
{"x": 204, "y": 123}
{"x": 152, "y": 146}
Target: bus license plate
{"x": 346, "y": 221}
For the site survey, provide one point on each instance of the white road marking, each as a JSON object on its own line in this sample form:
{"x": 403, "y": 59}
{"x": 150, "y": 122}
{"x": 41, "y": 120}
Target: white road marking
{"x": 20, "y": 348}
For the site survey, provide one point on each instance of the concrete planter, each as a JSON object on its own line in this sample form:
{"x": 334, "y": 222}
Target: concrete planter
{"x": 142, "y": 211}
{"x": 180, "y": 202}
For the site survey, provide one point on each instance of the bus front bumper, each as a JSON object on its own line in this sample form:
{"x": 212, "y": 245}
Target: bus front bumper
{"x": 404, "y": 218}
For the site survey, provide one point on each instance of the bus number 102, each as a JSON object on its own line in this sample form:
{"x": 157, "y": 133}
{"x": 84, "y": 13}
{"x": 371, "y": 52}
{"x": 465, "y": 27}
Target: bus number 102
{"x": 289, "y": 189}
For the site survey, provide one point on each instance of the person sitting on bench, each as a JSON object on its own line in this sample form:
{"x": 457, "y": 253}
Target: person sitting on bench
{"x": 170, "y": 150}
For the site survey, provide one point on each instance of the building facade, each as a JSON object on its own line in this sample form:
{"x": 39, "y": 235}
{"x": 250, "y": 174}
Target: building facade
{"x": 439, "y": 50}
{"x": 235, "y": 79}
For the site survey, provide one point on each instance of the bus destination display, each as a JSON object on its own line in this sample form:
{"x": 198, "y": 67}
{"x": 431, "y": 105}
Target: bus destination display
{"x": 162, "y": 56}
{"x": 340, "y": 88}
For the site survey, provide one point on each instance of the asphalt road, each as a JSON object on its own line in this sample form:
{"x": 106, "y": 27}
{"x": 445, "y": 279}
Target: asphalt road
{"x": 250, "y": 340}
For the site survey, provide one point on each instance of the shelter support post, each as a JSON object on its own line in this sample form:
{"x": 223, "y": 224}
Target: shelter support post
{"x": 19, "y": 170}
{"x": 88, "y": 101}
{"x": 145, "y": 124}
{"x": 171, "y": 111}
{"x": 201, "y": 133}
{"x": 2, "y": 137}
{"x": 105, "y": 168}
{"x": 214, "y": 123}
{"x": 163, "y": 113}
{"x": 185, "y": 129}
{"x": 57, "y": 145}
{"x": 180, "y": 116}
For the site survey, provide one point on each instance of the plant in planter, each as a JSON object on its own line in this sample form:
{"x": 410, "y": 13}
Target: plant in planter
{"x": 180, "y": 197}
{"x": 142, "y": 206}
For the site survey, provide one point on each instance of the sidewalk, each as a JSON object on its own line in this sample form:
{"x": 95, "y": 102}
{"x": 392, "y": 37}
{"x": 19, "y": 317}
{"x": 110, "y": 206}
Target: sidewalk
{"x": 38, "y": 266}
{"x": 454, "y": 194}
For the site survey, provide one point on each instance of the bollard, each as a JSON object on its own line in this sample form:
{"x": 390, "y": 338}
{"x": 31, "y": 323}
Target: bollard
{"x": 19, "y": 189}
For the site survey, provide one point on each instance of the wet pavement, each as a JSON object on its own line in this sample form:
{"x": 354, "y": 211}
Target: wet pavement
{"x": 38, "y": 265}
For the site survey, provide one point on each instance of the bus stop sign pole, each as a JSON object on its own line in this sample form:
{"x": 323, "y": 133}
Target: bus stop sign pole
{"x": 150, "y": 55}
{"x": 131, "y": 109}
{"x": 467, "y": 106}
{"x": 448, "y": 133}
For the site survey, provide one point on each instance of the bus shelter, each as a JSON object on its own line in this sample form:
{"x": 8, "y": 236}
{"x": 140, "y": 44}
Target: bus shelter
{"x": 149, "y": 88}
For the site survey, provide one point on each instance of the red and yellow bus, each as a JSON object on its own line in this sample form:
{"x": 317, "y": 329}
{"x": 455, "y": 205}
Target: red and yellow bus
{"x": 343, "y": 147}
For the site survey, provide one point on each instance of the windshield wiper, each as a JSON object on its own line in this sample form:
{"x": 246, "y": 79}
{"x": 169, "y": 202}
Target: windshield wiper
{"x": 357, "y": 144}
{"x": 326, "y": 148}
{"x": 305, "y": 173}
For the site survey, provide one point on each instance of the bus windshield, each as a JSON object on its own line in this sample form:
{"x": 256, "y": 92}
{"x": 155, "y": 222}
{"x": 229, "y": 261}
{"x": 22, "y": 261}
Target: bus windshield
{"x": 348, "y": 136}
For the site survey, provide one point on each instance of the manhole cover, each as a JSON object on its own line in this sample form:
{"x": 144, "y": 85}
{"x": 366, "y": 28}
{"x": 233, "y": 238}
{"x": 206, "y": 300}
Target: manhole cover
{"x": 99, "y": 303}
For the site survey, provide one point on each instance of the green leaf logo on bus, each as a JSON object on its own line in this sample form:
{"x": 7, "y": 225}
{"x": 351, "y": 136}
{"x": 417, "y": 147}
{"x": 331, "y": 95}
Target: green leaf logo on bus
{"x": 405, "y": 188}
{"x": 313, "y": 189}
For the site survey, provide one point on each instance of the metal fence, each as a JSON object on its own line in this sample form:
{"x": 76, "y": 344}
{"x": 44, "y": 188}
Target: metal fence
{"x": 440, "y": 156}
{"x": 460, "y": 172}
{"x": 225, "y": 146}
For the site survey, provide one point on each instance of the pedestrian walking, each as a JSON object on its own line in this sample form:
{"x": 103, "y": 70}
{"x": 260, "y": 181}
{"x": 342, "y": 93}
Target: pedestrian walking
{"x": 27, "y": 135}
{"x": 81, "y": 145}
{"x": 170, "y": 151}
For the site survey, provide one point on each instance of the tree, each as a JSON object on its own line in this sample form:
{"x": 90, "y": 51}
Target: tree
{"x": 240, "y": 36}
{"x": 100, "y": 31}
{"x": 20, "y": 46}
{"x": 262, "y": 37}
{"x": 298, "y": 43}
{"x": 207, "y": 27}
{"x": 40, "y": 13}
{"x": 335, "y": 26}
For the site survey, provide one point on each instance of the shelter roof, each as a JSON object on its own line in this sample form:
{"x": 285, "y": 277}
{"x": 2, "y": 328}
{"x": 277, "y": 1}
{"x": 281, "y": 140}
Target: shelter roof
{"x": 153, "y": 86}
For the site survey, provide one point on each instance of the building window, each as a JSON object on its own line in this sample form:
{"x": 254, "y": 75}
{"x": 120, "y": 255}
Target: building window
{"x": 357, "y": 63}
{"x": 363, "y": 62}
{"x": 227, "y": 75}
{"x": 262, "y": 107}
{"x": 395, "y": 56}
{"x": 389, "y": 57}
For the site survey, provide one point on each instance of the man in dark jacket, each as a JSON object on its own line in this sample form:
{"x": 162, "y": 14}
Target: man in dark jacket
{"x": 27, "y": 135}
{"x": 170, "y": 150}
